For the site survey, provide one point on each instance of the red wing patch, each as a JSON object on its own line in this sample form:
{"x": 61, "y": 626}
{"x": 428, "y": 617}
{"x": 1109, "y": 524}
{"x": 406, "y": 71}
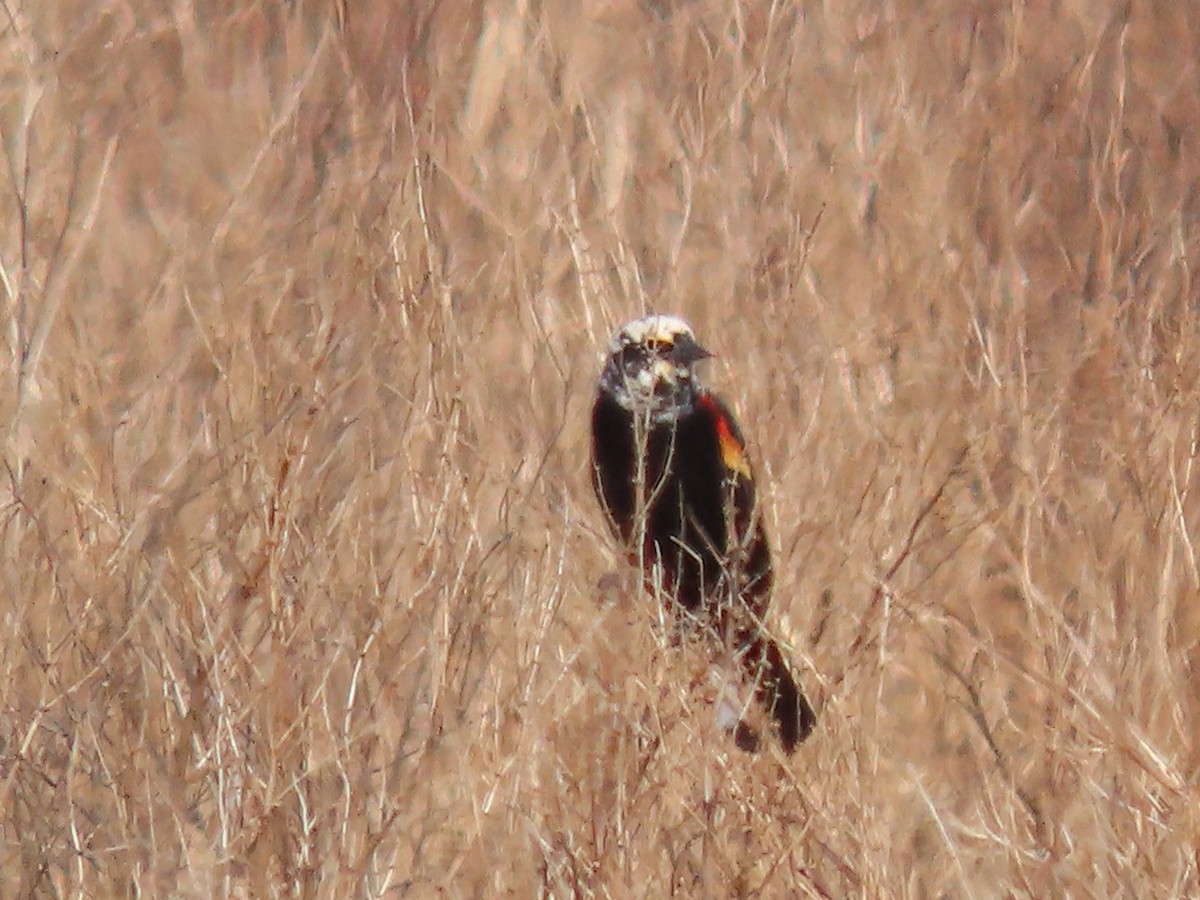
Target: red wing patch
{"x": 733, "y": 451}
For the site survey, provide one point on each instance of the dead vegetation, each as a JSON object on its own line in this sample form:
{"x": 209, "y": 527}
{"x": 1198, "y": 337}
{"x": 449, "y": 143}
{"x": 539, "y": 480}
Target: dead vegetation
{"x": 304, "y": 588}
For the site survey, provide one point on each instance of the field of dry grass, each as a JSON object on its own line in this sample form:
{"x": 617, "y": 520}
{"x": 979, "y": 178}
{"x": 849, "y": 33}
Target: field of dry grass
{"x": 304, "y": 588}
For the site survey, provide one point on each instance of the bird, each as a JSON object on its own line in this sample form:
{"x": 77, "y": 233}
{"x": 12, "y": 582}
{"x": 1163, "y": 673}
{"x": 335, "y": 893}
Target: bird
{"x": 672, "y": 473}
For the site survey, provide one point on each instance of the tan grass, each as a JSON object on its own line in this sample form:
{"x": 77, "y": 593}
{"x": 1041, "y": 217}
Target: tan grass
{"x": 304, "y": 589}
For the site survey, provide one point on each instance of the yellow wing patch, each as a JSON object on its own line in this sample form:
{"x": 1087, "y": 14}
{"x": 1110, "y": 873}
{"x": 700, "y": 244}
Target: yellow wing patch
{"x": 733, "y": 453}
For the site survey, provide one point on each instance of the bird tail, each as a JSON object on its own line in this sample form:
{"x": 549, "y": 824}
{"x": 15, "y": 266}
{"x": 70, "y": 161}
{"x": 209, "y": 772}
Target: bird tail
{"x": 776, "y": 689}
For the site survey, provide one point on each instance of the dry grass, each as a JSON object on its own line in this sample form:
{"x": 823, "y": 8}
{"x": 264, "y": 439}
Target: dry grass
{"x": 302, "y": 307}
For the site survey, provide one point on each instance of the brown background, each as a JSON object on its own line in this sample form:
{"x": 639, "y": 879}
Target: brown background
{"x": 304, "y": 589}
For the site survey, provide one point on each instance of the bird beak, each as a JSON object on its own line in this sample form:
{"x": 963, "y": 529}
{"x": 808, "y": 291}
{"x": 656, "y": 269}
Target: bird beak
{"x": 686, "y": 352}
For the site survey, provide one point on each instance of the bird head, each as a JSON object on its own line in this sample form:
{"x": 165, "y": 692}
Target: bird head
{"x": 651, "y": 367}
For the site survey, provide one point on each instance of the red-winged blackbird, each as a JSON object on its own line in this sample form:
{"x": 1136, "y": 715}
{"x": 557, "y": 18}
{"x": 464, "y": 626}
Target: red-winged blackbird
{"x": 670, "y": 468}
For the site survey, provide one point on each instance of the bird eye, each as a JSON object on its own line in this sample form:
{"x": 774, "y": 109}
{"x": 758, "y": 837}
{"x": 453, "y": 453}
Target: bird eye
{"x": 633, "y": 354}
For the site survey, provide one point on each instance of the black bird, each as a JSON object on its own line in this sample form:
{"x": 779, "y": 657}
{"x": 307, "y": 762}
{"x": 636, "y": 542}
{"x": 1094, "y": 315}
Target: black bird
{"x": 670, "y": 467}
